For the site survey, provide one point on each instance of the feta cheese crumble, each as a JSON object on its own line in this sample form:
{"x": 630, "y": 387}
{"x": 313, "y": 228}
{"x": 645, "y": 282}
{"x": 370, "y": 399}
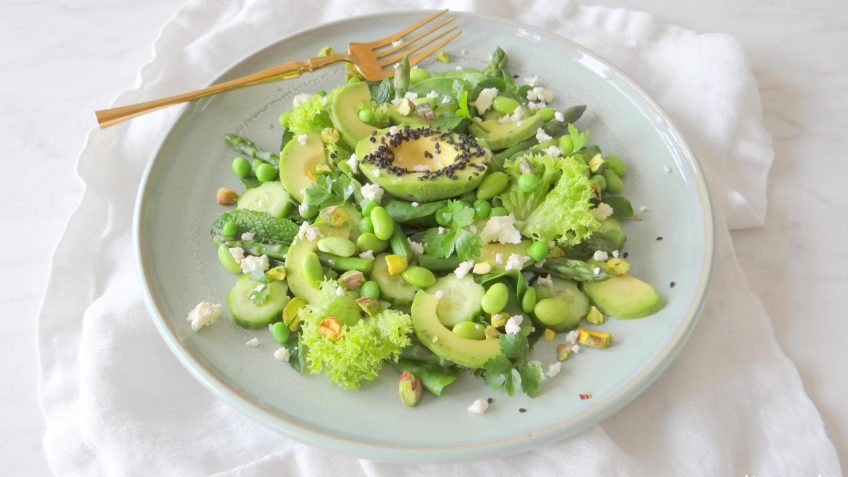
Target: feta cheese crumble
{"x": 479, "y": 406}
{"x": 601, "y": 255}
{"x": 302, "y": 138}
{"x": 463, "y": 268}
{"x": 301, "y": 98}
{"x": 440, "y": 230}
{"x": 440, "y": 294}
{"x": 533, "y": 81}
{"x": 303, "y": 209}
{"x": 414, "y": 204}
{"x": 432, "y": 94}
{"x": 553, "y": 369}
{"x": 204, "y": 314}
{"x": 308, "y": 232}
{"x": 553, "y": 151}
{"x": 615, "y": 253}
{"x": 597, "y": 271}
{"x": 352, "y": 162}
{"x": 535, "y": 106}
{"x": 500, "y": 229}
{"x": 516, "y": 262}
{"x": 643, "y": 209}
{"x": 247, "y": 236}
{"x": 513, "y": 324}
{"x": 340, "y": 291}
{"x": 484, "y": 99}
{"x": 602, "y": 211}
{"x": 368, "y": 255}
{"x": 545, "y": 281}
{"x": 394, "y": 130}
{"x": 499, "y": 258}
{"x": 251, "y": 264}
{"x": 571, "y": 337}
{"x": 446, "y": 99}
{"x": 542, "y": 136}
{"x": 282, "y": 354}
{"x": 559, "y": 116}
{"x": 237, "y": 253}
{"x": 540, "y": 94}
{"x": 252, "y": 342}
{"x": 417, "y": 248}
{"x": 372, "y": 192}
{"x": 410, "y": 95}
{"x": 667, "y": 169}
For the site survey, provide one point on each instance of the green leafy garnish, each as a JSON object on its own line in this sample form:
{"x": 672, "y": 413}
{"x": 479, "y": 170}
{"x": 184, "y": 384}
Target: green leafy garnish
{"x": 383, "y": 91}
{"x": 463, "y": 112}
{"x": 266, "y": 228}
{"x": 403, "y": 212}
{"x": 511, "y": 369}
{"x": 434, "y": 378}
{"x": 578, "y": 139}
{"x": 446, "y": 122}
{"x": 332, "y": 189}
{"x": 443, "y": 242}
{"x": 310, "y": 116}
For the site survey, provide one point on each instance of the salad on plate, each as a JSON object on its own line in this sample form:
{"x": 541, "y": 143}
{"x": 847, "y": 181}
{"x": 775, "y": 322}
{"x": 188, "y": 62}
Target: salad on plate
{"x": 438, "y": 223}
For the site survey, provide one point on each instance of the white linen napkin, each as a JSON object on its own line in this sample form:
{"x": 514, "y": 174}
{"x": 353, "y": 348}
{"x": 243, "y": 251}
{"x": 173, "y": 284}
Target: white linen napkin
{"x": 117, "y": 402}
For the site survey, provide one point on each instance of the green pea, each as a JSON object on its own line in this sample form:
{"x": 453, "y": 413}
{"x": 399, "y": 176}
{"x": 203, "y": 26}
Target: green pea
{"x": 614, "y": 184}
{"x": 482, "y": 209}
{"x": 266, "y": 172}
{"x": 504, "y": 105}
{"x": 337, "y": 246}
{"x": 469, "y": 330}
{"x": 365, "y": 225}
{"x": 280, "y": 331}
{"x": 312, "y": 270}
{"x": 443, "y": 216}
{"x": 600, "y": 180}
{"x": 528, "y": 182}
{"x": 366, "y": 115}
{"x": 227, "y": 260}
{"x": 492, "y": 185}
{"x": 419, "y": 277}
{"x": 370, "y": 289}
{"x": 241, "y": 167}
{"x": 369, "y": 206}
{"x": 230, "y": 229}
{"x": 498, "y": 212}
{"x": 538, "y": 251}
{"x": 369, "y": 241}
{"x": 384, "y": 227}
{"x": 566, "y": 145}
{"x": 417, "y": 75}
{"x": 495, "y": 299}
{"x": 617, "y": 164}
{"x": 528, "y": 301}
{"x": 554, "y": 312}
{"x": 546, "y": 113}
{"x": 255, "y": 165}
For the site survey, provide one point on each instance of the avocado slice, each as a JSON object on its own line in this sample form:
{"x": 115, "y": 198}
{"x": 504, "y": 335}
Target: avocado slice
{"x": 502, "y": 135}
{"x": 441, "y": 341}
{"x": 624, "y": 296}
{"x": 344, "y": 116}
{"x": 298, "y": 162}
{"x": 406, "y": 162}
{"x": 489, "y": 251}
{"x": 298, "y": 284}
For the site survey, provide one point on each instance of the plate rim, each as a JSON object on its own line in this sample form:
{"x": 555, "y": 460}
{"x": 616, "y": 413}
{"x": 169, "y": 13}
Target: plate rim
{"x": 514, "y": 444}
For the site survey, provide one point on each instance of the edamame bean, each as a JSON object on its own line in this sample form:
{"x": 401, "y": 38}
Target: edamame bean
{"x": 482, "y": 209}
{"x": 538, "y": 251}
{"x": 266, "y": 172}
{"x": 419, "y": 277}
{"x": 399, "y": 243}
{"x": 614, "y": 184}
{"x": 384, "y": 227}
{"x": 495, "y": 299}
{"x": 312, "y": 270}
{"x": 492, "y": 185}
{"x": 241, "y": 167}
{"x": 417, "y": 75}
{"x": 365, "y": 225}
{"x": 230, "y": 229}
{"x": 337, "y": 246}
{"x": 346, "y": 264}
{"x": 528, "y": 182}
{"x": 566, "y": 145}
{"x": 528, "y": 301}
{"x": 617, "y": 164}
{"x": 227, "y": 260}
{"x": 551, "y": 311}
{"x": 369, "y": 241}
{"x": 366, "y": 115}
{"x": 368, "y": 207}
{"x": 469, "y": 330}
{"x": 280, "y": 332}
{"x": 546, "y": 113}
{"x": 504, "y": 105}
{"x": 599, "y": 179}
{"x": 498, "y": 212}
{"x": 370, "y": 289}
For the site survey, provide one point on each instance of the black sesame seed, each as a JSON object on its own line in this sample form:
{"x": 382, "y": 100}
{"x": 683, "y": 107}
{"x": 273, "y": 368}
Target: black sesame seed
{"x": 490, "y": 400}
{"x": 671, "y": 285}
{"x": 625, "y": 255}
{"x": 659, "y": 238}
{"x": 521, "y": 409}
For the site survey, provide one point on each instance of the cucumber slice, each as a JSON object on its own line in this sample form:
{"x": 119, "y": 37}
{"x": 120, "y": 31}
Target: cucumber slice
{"x": 569, "y": 291}
{"x": 250, "y": 315}
{"x": 392, "y": 287}
{"x": 461, "y": 299}
{"x": 270, "y": 197}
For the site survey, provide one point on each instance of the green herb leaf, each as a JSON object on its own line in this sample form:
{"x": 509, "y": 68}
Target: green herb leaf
{"x": 513, "y": 346}
{"x": 330, "y": 189}
{"x": 463, "y": 105}
{"x": 447, "y": 122}
{"x": 260, "y": 297}
{"x": 621, "y": 207}
{"x": 496, "y": 370}
{"x": 513, "y": 382}
{"x": 383, "y": 91}
{"x": 531, "y": 377}
{"x": 467, "y": 244}
{"x": 578, "y": 139}
{"x": 403, "y": 212}
{"x": 515, "y": 275}
{"x": 461, "y": 214}
{"x": 297, "y": 352}
{"x": 434, "y": 378}
{"x": 440, "y": 244}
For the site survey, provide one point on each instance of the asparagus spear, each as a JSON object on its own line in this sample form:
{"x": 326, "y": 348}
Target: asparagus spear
{"x": 497, "y": 62}
{"x": 575, "y": 270}
{"x": 257, "y": 249}
{"x": 402, "y": 77}
{"x": 248, "y": 148}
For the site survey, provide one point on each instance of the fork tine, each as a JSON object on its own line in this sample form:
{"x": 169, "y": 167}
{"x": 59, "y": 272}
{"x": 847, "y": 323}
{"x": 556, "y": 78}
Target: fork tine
{"x": 409, "y": 41}
{"x": 424, "y": 54}
{"x": 387, "y": 40}
{"x": 408, "y": 52}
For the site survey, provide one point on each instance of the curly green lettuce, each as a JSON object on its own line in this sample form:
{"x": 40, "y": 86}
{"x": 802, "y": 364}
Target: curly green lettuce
{"x": 310, "y": 116}
{"x": 364, "y": 345}
{"x": 559, "y": 208}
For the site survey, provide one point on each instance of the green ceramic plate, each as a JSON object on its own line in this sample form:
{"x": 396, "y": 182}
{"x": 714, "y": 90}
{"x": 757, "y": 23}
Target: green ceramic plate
{"x": 179, "y": 268}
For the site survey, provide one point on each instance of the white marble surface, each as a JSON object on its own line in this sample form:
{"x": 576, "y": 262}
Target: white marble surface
{"x": 61, "y": 59}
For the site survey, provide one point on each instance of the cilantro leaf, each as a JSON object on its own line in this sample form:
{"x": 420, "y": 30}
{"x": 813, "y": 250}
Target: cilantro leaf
{"x": 381, "y": 92}
{"x": 531, "y": 377}
{"x": 329, "y": 189}
{"x": 447, "y": 122}
{"x": 496, "y": 370}
{"x": 463, "y": 112}
{"x": 513, "y": 346}
{"x": 467, "y": 244}
{"x": 440, "y": 244}
{"x": 461, "y": 214}
{"x": 578, "y": 139}
{"x": 513, "y": 382}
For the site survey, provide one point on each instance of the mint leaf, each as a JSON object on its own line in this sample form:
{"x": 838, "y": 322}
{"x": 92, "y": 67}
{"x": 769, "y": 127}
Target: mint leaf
{"x": 381, "y": 92}
{"x": 513, "y": 346}
{"x": 531, "y": 377}
{"x": 467, "y": 244}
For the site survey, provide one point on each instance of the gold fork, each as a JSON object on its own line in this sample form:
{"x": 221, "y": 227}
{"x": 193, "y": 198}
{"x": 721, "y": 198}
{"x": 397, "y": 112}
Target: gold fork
{"x": 373, "y": 60}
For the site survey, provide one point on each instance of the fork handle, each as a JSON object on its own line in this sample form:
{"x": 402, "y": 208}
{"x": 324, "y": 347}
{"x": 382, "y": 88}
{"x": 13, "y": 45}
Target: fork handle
{"x": 291, "y": 69}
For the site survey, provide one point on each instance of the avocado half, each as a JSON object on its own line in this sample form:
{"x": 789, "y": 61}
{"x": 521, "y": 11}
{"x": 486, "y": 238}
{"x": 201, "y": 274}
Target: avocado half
{"x": 422, "y": 164}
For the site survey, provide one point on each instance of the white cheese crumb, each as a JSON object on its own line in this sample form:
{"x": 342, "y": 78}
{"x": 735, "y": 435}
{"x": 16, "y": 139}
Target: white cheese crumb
{"x": 615, "y": 253}
{"x": 340, "y": 291}
{"x": 597, "y": 271}
{"x": 481, "y": 268}
{"x": 643, "y": 208}
{"x": 417, "y": 248}
{"x": 282, "y": 354}
{"x": 559, "y": 116}
{"x": 602, "y": 256}
{"x": 259, "y": 288}
{"x": 396, "y": 101}
{"x": 252, "y": 342}
{"x": 546, "y": 281}
{"x": 397, "y": 43}
{"x": 302, "y": 138}
{"x": 506, "y": 118}
{"x": 394, "y": 130}
{"x": 500, "y": 229}
{"x": 440, "y": 230}
{"x": 308, "y": 232}
{"x": 247, "y": 236}
{"x": 251, "y": 264}
{"x": 535, "y": 106}
{"x": 554, "y": 369}
{"x": 518, "y": 115}
{"x": 324, "y": 100}
{"x": 303, "y": 209}
{"x": 542, "y": 136}
{"x": 300, "y": 99}
{"x": 237, "y": 253}
{"x": 458, "y": 68}
{"x": 516, "y": 262}
{"x": 575, "y": 349}
{"x": 420, "y": 168}
{"x": 446, "y": 99}
{"x": 203, "y": 314}
{"x": 464, "y": 268}
{"x": 541, "y": 263}
{"x": 415, "y": 204}
{"x": 484, "y": 99}
{"x": 368, "y": 254}
{"x": 432, "y": 94}
{"x": 352, "y": 162}
{"x": 440, "y": 294}
{"x": 372, "y": 192}
{"x": 410, "y": 95}
{"x": 499, "y": 258}
{"x": 540, "y": 94}
{"x": 513, "y": 324}
{"x": 602, "y": 211}
{"x": 533, "y": 80}
{"x": 479, "y": 406}
{"x": 667, "y": 169}
{"x": 571, "y": 337}
{"x": 553, "y": 151}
